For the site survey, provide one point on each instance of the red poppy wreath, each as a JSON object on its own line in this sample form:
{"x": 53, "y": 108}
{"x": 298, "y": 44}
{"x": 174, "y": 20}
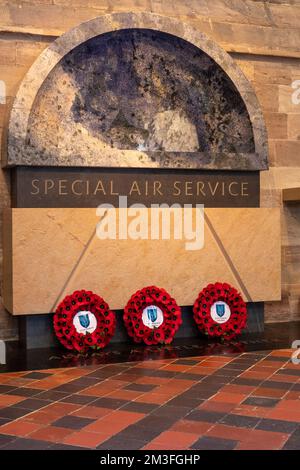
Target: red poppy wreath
{"x": 152, "y": 316}
{"x": 83, "y": 320}
{"x": 220, "y": 311}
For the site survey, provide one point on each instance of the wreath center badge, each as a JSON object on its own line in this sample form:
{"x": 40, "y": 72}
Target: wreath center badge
{"x": 152, "y": 316}
{"x": 84, "y": 321}
{"x": 220, "y": 311}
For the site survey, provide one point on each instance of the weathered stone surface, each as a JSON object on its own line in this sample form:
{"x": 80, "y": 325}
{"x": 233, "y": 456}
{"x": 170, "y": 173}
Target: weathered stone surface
{"x": 140, "y": 91}
{"x": 23, "y": 149}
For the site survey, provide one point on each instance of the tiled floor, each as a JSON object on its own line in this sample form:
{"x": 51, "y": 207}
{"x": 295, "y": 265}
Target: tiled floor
{"x": 242, "y": 401}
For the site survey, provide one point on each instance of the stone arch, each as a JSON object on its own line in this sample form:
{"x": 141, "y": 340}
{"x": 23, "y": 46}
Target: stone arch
{"x": 23, "y": 118}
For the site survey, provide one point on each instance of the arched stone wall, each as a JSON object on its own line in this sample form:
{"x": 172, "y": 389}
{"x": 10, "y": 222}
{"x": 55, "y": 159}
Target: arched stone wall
{"x": 33, "y": 120}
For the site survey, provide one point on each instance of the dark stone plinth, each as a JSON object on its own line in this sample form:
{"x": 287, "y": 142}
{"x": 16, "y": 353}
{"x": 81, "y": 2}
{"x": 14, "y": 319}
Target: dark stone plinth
{"x": 36, "y": 331}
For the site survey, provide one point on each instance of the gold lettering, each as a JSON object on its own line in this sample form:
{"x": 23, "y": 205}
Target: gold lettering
{"x": 99, "y": 187}
{"x": 230, "y": 191}
{"x": 188, "y": 188}
{"x": 35, "y": 187}
{"x": 73, "y": 187}
{"x": 213, "y": 189}
{"x": 245, "y": 189}
{"x": 62, "y": 187}
{"x": 135, "y": 188}
{"x": 112, "y": 189}
{"x": 49, "y": 184}
{"x": 157, "y": 187}
{"x": 176, "y": 188}
{"x": 200, "y": 188}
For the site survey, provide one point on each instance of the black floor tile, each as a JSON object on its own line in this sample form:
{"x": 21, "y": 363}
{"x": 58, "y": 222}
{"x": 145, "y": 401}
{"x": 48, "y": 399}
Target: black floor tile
{"x": 69, "y": 388}
{"x": 51, "y": 395}
{"x": 173, "y": 411}
{"x": 261, "y": 401}
{"x": 4, "y": 439}
{"x": 24, "y": 392}
{"x": 157, "y": 422}
{"x": 65, "y": 447}
{"x": 140, "y": 407}
{"x": 119, "y": 443}
{"x": 295, "y": 372}
{"x": 112, "y": 403}
{"x": 32, "y": 404}
{"x": 187, "y": 362}
{"x": 135, "y": 431}
{"x": 79, "y": 399}
{"x": 276, "y": 425}
{"x": 203, "y": 415}
{"x": 293, "y": 443}
{"x": 140, "y": 387}
{"x": 6, "y": 388}
{"x": 275, "y": 384}
{"x": 12, "y": 412}
{"x": 214, "y": 443}
{"x": 240, "y": 421}
{"x": 27, "y": 444}
{"x": 36, "y": 375}
{"x": 72, "y": 422}
{"x": 243, "y": 381}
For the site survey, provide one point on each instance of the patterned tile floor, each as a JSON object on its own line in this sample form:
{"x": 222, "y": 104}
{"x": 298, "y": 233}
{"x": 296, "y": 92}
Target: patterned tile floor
{"x": 242, "y": 401}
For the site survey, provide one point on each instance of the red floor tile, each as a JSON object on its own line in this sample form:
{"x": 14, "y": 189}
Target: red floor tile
{"x": 51, "y": 434}
{"x": 19, "y": 428}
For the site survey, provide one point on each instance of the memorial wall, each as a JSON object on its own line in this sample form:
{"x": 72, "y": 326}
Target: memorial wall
{"x": 149, "y": 108}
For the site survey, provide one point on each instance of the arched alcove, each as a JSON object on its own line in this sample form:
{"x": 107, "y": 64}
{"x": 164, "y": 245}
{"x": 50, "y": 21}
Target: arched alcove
{"x": 136, "y": 90}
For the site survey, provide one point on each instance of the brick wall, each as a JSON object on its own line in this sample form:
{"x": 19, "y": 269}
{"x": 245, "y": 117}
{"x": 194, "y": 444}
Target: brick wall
{"x": 262, "y": 36}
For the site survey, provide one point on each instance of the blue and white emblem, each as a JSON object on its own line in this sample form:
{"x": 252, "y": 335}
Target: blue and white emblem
{"x": 152, "y": 316}
{"x": 220, "y": 312}
{"x": 85, "y": 322}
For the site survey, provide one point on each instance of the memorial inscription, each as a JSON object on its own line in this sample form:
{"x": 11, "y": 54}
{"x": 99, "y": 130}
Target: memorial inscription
{"x": 66, "y": 187}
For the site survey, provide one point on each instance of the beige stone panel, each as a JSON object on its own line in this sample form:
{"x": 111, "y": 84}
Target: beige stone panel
{"x": 44, "y": 18}
{"x": 267, "y": 96}
{"x": 280, "y": 177}
{"x": 46, "y": 246}
{"x": 273, "y": 73}
{"x": 52, "y": 257}
{"x": 276, "y": 125}
{"x": 117, "y": 269}
{"x": 254, "y": 39}
{"x": 7, "y": 52}
{"x": 293, "y": 126}
{"x": 285, "y": 15}
{"x": 287, "y": 153}
{"x": 28, "y": 51}
{"x": 180, "y": 8}
{"x": 235, "y": 11}
{"x": 252, "y": 240}
{"x": 12, "y": 75}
